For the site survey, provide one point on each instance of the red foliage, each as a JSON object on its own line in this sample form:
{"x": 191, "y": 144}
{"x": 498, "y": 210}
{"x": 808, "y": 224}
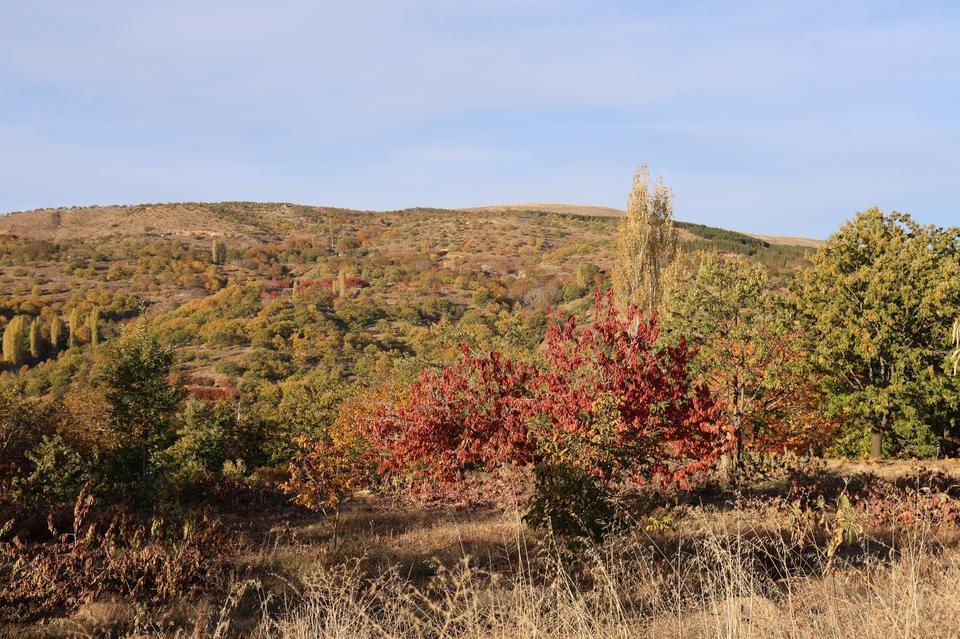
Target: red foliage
{"x": 202, "y": 387}
{"x": 473, "y": 413}
{"x": 610, "y": 400}
{"x": 656, "y": 420}
{"x": 212, "y": 393}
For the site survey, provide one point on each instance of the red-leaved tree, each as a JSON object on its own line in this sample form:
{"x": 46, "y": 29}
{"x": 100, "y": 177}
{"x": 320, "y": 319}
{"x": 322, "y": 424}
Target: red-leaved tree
{"x": 610, "y": 404}
{"x": 619, "y": 405}
{"x": 472, "y": 414}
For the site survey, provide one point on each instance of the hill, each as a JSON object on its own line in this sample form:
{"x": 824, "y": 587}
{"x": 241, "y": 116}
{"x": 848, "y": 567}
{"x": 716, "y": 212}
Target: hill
{"x": 250, "y": 220}
{"x": 606, "y": 211}
{"x": 304, "y": 287}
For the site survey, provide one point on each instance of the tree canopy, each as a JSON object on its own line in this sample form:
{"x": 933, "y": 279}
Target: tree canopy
{"x": 879, "y": 298}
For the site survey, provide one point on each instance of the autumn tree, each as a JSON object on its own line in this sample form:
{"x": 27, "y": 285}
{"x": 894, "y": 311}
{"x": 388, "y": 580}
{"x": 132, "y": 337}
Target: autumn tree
{"x": 75, "y": 323}
{"x": 15, "y": 343}
{"x": 93, "y": 324}
{"x": 611, "y": 403}
{"x": 747, "y": 347}
{"x": 218, "y": 251}
{"x": 336, "y": 461}
{"x": 954, "y": 356}
{"x": 878, "y": 298}
{"x": 56, "y": 332}
{"x": 35, "y": 340}
{"x": 646, "y": 243}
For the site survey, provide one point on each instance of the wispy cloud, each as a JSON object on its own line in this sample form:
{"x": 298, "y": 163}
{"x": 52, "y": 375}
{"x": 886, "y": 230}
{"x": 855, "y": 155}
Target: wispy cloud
{"x": 773, "y": 116}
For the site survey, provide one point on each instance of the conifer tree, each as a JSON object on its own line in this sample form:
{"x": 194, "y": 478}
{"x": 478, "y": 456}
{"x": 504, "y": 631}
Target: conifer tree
{"x": 646, "y": 243}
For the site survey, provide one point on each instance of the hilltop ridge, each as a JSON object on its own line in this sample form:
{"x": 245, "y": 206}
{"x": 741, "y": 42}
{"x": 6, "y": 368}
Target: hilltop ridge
{"x": 257, "y": 221}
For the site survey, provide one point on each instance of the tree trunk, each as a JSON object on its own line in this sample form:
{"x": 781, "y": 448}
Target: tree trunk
{"x": 876, "y": 439}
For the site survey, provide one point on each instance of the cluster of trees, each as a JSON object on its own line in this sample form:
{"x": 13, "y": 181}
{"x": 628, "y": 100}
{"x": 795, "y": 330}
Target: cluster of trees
{"x": 29, "y": 340}
{"x": 694, "y": 359}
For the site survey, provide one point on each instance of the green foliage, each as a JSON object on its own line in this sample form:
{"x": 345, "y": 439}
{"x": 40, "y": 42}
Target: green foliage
{"x": 722, "y": 235}
{"x": 748, "y": 347}
{"x": 143, "y": 402}
{"x": 571, "y": 503}
{"x": 954, "y": 356}
{"x": 589, "y": 276}
{"x": 877, "y": 299}
{"x": 212, "y": 434}
{"x": 26, "y": 424}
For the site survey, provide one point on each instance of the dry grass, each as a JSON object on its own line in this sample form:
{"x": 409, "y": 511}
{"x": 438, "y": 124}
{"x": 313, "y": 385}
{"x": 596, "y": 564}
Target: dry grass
{"x": 760, "y": 566}
{"x": 716, "y": 586}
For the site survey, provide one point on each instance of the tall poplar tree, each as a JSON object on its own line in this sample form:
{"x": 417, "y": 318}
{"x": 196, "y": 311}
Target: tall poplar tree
{"x": 35, "y": 339}
{"x": 56, "y": 332}
{"x": 15, "y": 347}
{"x": 75, "y": 326}
{"x": 647, "y": 244}
{"x": 93, "y": 323}
{"x": 218, "y": 251}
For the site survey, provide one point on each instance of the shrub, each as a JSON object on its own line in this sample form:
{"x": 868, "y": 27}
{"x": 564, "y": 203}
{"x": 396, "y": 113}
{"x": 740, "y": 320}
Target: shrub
{"x": 109, "y": 554}
{"x": 609, "y": 405}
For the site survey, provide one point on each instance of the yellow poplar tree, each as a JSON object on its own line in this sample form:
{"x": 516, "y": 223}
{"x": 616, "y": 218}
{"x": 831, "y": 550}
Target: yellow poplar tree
{"x": 647, "y": 243}
{"x": 94, "y": 324}
{"x": 56, "y": 332}
{"x": 15, "y": 340}
{"x": 35, "y": 339}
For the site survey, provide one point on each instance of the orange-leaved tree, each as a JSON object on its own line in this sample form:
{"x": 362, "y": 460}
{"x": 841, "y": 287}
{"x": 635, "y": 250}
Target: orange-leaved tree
{"x": 327, "y": 470}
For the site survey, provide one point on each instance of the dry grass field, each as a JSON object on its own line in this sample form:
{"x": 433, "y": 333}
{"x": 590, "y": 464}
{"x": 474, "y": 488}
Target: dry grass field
{"x": 827, "y": 551}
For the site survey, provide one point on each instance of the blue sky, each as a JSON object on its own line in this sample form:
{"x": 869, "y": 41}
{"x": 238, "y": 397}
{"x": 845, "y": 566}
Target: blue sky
{"x": 769, "y": 117}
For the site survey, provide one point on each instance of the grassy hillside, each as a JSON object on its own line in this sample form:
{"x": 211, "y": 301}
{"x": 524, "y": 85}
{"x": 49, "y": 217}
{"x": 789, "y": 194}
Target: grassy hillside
{"x": 418, "y": 281}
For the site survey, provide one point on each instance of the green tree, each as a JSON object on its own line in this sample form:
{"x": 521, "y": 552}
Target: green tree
{"x": 35, "y": 339}
{"x": 205, "y": 438}
{"x": 15, "y": 347}
{"x": 878, "y": 299}
{"x": 587, "y": 275}
{"x": 747, "y": 347}
{"x": 143, "y": 403}
{"x": 646, "y": 244}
